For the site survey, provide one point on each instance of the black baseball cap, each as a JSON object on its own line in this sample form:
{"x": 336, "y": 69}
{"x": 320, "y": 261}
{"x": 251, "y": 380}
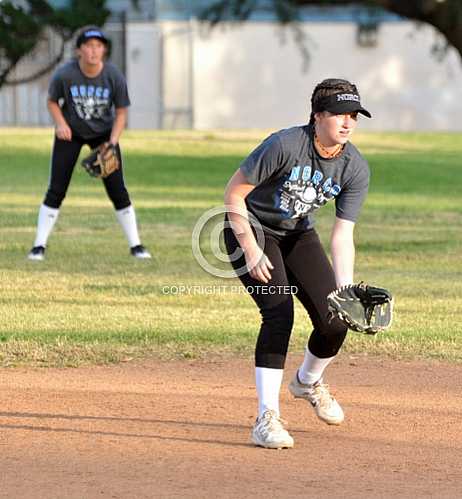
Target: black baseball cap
{"x": 341, "y": 103}
{"x": 91, "y": 32}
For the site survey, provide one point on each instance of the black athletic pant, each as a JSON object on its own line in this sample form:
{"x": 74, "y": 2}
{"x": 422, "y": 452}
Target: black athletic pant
{"x": 299, "y": 260}
{"x": 63, "y": 159}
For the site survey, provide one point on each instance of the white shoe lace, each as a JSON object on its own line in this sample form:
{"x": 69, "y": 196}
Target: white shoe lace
{"x": 320, "y": 395}
{"x": 271, "y": 423}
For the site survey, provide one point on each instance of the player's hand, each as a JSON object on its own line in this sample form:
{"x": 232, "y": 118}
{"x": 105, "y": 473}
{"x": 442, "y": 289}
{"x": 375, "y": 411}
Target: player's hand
{"x": 63, "y": 131}
{"x": 258, "y": 264}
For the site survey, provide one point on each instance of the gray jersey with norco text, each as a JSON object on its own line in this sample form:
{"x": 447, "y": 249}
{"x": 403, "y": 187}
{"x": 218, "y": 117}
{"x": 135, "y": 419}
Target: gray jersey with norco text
{"x": 87, "y": 103}
{"x": 292, "y": 181}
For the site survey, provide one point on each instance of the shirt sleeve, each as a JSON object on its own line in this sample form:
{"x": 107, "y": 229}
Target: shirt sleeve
{"x": 264, "y": 161}
{"x": 121, "y": 98}
{"x": 351, "y": 198}
{"x": 55, "y": 87}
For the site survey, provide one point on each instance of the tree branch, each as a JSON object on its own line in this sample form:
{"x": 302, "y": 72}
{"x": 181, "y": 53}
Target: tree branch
{"x": 40, "y": 72}
{"x": 444, "y": 15}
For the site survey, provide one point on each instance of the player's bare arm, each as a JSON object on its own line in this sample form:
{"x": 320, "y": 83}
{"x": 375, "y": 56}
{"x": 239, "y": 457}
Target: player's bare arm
{"x": 63, "y": 131}
{"x": 343, "y": 251}
{"x": 119, "y": 124}
{"x": 257, "y": 262}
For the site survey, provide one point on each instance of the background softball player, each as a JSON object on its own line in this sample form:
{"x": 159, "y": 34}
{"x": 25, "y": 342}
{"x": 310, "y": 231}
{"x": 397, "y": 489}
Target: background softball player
{"x": 88, "y": 102}
{"x": 282, "y": 183}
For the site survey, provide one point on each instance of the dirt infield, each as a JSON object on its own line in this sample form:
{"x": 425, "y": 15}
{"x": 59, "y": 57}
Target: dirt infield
{"x": 181, "y": 429}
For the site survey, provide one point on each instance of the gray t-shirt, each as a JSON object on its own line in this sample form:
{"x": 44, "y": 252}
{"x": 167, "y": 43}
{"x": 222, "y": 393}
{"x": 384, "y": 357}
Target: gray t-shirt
{"x": 87, "y": 103}
{"x": 292, "y": 181}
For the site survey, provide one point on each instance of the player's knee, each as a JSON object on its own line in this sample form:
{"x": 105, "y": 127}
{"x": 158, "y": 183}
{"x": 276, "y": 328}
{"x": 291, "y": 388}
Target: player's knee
{"x": 276, "y": 327}
{"x": 54, "y": 198}
{"x": 335, "y": 334}
{"x": 273, "y": 340}
{"x": 325, "y": 344}
{"x": 334, "y": 329}
{"x": 121, "y": 201}
{"x": 330, "y": 326}
{"x": 280, "y": 317}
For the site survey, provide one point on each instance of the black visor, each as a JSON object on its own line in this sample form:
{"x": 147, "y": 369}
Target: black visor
{"x": 341, "y": 103}
{"x": 90, "y": 33}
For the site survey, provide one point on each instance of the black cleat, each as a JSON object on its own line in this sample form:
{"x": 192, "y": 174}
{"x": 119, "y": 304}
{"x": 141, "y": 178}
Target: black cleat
{"x": 37, "y": 253}
{"x": 140, "y": 251}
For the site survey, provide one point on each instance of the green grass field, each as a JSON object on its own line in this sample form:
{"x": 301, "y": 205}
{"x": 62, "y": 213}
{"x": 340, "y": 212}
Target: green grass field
{"x": 89, "y": 302}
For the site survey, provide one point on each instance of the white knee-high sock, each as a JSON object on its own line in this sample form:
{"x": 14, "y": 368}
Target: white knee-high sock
{"x": 46, "y": 221}
{"x": 312, "y": 368}
{"x": 127, "y": 220}
{"x": 268, "y": 383}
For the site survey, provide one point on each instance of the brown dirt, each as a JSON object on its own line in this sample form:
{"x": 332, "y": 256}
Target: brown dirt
{"x": 181, "y": 429}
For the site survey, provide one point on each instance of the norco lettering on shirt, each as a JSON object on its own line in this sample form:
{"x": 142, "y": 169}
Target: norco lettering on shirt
{"x": 89, "y": 91}
{"x": 292, "y": 181}
{"x": 315, "y": 177}
{"x": 90, "y": 101}
{"x": 353, "y": 97}
{"x": 304, "y": 191}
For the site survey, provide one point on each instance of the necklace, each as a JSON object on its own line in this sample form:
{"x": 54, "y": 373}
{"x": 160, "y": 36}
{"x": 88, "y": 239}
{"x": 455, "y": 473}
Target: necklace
{"x": 324, "y": 151}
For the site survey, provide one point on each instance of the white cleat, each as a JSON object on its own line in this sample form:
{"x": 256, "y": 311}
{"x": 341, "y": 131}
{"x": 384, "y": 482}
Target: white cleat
{"x": 324, "y": 404}
{"x": 270, "y": 433}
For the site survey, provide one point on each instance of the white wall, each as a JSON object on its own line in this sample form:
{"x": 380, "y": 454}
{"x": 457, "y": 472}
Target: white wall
{"x": 245, "y": 77}
{"x": 242, "y": 75}
{"x": 143, "y": 70}
{"x": 177, "y": 70}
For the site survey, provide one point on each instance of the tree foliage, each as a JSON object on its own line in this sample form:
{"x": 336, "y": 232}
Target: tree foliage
{"x": 444, "y": 15}
{"x": 24, "y": 24}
